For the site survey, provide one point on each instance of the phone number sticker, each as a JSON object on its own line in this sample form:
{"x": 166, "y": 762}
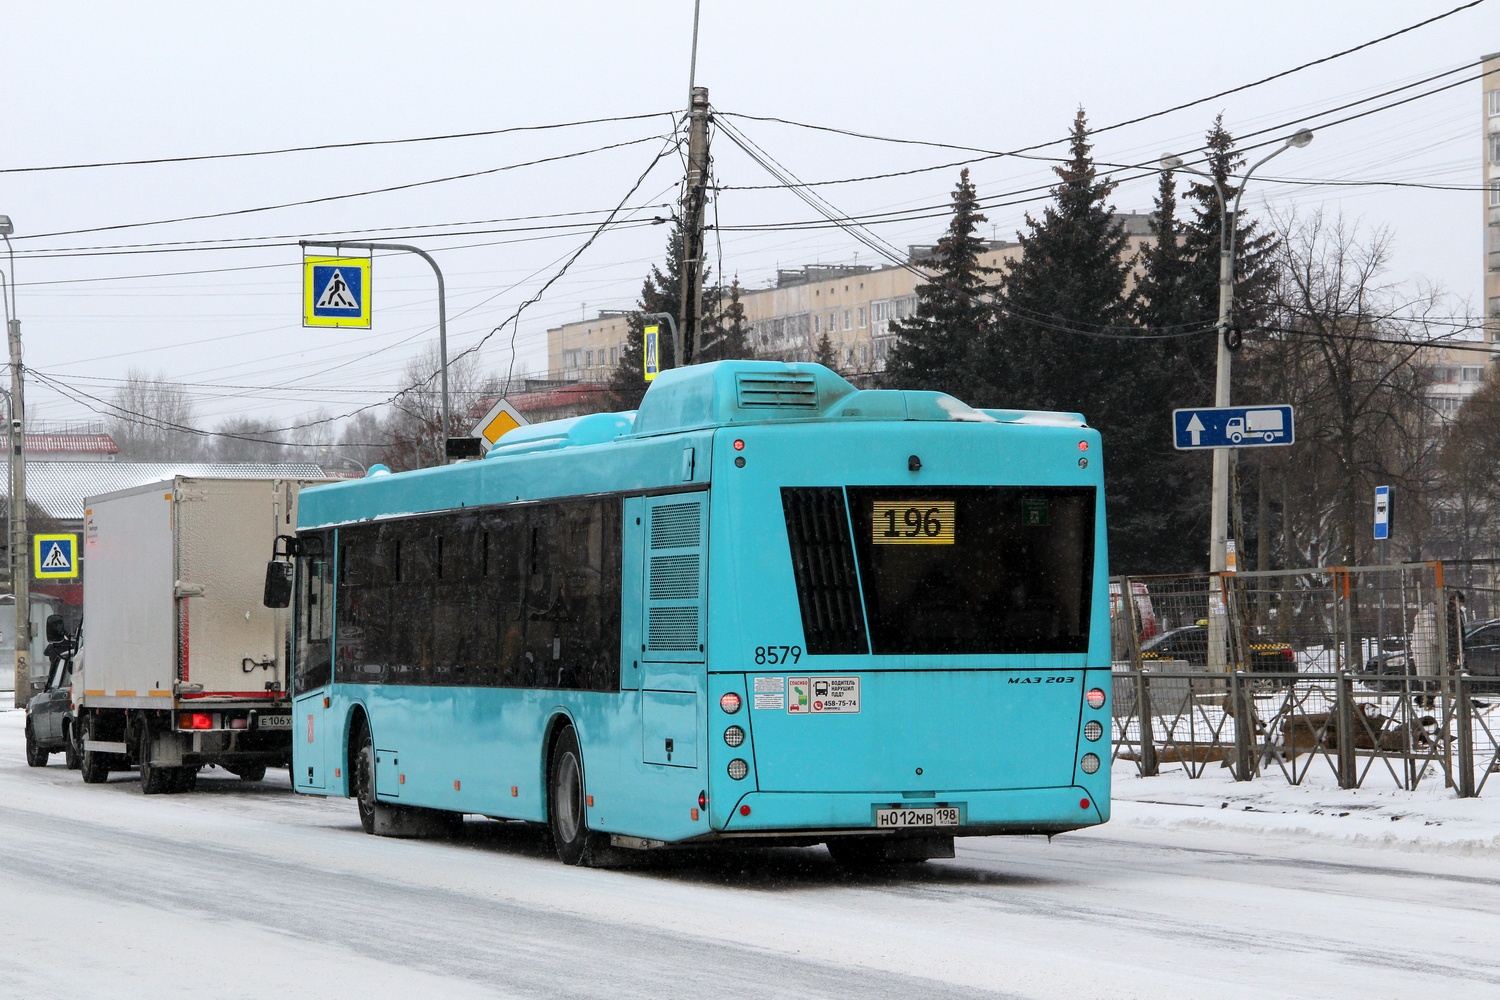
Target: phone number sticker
{"x": 822, "y": 695}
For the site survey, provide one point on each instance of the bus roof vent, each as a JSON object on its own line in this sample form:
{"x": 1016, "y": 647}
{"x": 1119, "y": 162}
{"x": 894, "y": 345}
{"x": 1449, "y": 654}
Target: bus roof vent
{"x": 758, "y": 389}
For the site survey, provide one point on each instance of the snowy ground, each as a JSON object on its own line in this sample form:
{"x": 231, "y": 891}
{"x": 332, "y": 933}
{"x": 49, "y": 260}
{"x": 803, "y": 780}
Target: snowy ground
{"x": 245, "y": 890}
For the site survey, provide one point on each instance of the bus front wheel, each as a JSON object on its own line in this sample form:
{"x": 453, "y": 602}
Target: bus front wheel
{"x": 567, "y": 817}
{"x": 364, "y": 781}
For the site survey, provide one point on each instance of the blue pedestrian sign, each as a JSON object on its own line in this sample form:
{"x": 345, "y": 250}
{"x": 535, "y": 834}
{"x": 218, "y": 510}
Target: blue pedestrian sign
{"x": 1233, "y": 427}
{"x": 55, "y": 557}
{"x": 336, "y": 291}
{"x": 1382, "y": 513}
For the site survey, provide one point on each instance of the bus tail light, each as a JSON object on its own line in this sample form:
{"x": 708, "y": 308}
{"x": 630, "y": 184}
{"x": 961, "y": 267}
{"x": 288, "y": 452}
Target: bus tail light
{"x": 703, "y": 800}
{"x": 1092, "y": 730}
{"x": 734, "y": 736}
{"x": 738, "y": 769}
{"x": 1095, "y": 697}
{"x": 729, "y": 702}
{"x": 1089, "y": 764}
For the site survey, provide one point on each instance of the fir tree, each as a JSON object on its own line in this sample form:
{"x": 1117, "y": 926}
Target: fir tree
{"x": 1065, "y": 342}
{"x": 827, "y": 355}
{"x": 1160, "y": 300}
{"x": 726, "y": 337}
{"x": 935, "y": 347}
{"x": 660, "y": 293}
{"x": 1254, "y": 251}
{"x": 1070, "y": 277}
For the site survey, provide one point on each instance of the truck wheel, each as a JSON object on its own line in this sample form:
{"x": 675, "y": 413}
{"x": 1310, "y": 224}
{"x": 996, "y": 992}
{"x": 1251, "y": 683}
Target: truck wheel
{"x": 567, "y": 817}
{"x": 35, "y": 755}
{"x": 249, "y": 772}
{"x": 364, "y": 782}
{"x": 70, "y": 746}
{"x": 154, "y": 779}
{"x": 94, "y": 765}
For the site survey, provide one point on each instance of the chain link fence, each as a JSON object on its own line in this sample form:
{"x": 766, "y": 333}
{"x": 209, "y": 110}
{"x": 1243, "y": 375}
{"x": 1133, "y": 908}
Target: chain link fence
{"x": 1380, "y": 674}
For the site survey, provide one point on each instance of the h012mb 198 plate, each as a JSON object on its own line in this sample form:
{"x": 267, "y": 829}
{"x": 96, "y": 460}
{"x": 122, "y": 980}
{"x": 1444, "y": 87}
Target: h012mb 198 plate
{"x": 897, "y": 818}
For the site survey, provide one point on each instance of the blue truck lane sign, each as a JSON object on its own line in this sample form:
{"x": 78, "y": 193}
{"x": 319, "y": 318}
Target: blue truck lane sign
{"x": 336, "y": 291}
{"x": 55, "y": 557}
{"x": 1233, "y": 427}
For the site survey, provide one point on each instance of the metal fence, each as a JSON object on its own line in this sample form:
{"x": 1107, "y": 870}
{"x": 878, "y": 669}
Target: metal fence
{"x": 1381, "y": 674}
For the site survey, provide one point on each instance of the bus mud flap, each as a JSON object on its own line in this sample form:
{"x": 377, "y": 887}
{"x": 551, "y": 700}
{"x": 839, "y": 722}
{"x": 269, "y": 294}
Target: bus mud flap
{"x": 410, "y": 822}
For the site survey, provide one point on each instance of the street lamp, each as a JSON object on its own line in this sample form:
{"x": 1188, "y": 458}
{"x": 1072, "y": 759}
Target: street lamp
{"x": 20, "y": 575}
{"x": 1219, "y": 516}
{"x": 1218, "y": 530}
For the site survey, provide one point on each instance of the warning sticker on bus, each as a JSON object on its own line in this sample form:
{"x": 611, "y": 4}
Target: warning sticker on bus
{"x": 822, "y": 695}
{"x": 770, "y": 693}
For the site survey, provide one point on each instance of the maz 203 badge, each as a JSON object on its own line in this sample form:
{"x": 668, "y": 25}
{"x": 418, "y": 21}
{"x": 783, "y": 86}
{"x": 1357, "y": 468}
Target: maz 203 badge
{"x": 822, "y": 695}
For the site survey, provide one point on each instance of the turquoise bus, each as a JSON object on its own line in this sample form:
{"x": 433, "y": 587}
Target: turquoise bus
{"x": 765, "y": 606}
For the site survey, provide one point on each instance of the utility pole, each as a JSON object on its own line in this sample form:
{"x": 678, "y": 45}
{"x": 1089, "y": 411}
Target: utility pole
{"x": 690, "y": 310}
{"x": 20, "y": 572}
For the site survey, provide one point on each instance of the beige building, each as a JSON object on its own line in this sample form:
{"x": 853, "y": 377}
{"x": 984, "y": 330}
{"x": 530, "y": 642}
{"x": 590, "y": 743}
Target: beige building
{"x": 853, "y": 304}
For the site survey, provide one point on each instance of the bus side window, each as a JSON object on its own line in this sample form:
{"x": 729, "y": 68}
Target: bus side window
{"x": 314, "y": 614}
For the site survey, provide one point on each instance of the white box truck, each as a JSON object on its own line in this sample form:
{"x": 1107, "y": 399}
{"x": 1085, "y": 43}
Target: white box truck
{"x": 185, "y": 666}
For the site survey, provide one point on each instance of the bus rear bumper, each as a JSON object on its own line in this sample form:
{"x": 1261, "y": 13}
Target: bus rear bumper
{"x": 981, "y": 813}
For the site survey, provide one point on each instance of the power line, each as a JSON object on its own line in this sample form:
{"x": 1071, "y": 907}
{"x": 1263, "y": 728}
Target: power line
{"x": 990, "y": 154}
{"x": 352, "y": 194}
{"x": 364, "y": 143}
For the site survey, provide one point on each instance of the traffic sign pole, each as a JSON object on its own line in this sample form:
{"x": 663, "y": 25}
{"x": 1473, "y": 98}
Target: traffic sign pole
{"x": 442, "y": 313}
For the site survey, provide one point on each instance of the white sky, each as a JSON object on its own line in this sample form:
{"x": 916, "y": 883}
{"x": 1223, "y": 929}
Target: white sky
{"x": 97, "y": 81}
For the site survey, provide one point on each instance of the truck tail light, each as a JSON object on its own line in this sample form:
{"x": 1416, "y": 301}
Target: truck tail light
{"x": 195, "y": 720}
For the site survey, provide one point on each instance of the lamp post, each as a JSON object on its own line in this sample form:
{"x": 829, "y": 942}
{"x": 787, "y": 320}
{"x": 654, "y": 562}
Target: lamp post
{"x": 20, "y": 573}
{"x": 1218, "y": 531}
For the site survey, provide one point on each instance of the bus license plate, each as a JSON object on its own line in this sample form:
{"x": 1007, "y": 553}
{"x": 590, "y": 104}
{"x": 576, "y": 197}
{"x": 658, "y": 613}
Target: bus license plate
{"x": 940, "y": 816}
{"x": 274, "y": 722}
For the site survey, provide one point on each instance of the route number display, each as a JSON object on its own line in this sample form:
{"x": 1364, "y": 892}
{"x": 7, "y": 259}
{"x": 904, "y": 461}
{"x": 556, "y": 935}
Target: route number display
{"x": 913, "y": 522}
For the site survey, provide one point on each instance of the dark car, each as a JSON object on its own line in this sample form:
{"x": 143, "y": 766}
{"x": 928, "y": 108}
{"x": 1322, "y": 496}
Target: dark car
{"x": 1190, "y": 643}
{"x": 1385, "y": 672}
{"x": 49, "y": 713}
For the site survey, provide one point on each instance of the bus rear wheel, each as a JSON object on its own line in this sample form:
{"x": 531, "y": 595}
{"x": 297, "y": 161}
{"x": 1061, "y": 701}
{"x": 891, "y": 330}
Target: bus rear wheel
{"x": 567, "y": 815}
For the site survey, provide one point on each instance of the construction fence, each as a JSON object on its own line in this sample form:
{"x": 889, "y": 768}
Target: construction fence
{"x": 1383, "y": 674}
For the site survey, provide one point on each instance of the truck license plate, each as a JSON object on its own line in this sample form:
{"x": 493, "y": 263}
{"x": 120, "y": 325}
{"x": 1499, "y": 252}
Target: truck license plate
{"x": 274, "y": 722}
{"x": 939, "y": 816}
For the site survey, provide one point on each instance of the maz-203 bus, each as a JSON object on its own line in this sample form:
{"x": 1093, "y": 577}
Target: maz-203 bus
{"x": 764, "y": 605}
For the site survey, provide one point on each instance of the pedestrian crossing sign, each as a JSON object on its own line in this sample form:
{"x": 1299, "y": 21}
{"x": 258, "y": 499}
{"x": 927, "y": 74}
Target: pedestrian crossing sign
{"x": 55, "y": 556}
{"x": 336, "y": 291}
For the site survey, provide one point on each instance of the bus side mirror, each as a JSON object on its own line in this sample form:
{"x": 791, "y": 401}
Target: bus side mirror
{"x": 278, "y": 592}
{"x": 55, "y": 631}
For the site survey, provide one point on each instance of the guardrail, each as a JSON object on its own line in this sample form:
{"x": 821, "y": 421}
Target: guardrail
{"x": 1382, "y": 673}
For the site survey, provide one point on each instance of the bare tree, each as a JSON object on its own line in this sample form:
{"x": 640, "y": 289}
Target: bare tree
{"x": 1470, "y": 465}
{"x": 414, "y": 423}
{"x": 153, "y": 420}
{"x": 1342, "y": 347}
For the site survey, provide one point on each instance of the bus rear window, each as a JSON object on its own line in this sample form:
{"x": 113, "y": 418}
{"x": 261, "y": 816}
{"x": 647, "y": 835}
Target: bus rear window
{"x": 997, "y": 569}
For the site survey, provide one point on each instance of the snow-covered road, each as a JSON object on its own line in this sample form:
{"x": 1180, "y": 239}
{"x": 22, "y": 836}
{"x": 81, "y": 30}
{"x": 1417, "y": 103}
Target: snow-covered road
{"x": 243, "y": 890}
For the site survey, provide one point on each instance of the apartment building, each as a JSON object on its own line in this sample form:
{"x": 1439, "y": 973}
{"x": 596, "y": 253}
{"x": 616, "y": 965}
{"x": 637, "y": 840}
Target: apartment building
{"x": 1491, "y": 120}
{"x": 853, "y": 304}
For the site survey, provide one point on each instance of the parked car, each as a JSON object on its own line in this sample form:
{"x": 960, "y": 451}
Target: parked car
{"x": 1190, "y": 643}
{"x": 1385, "y": 671}
{"x": 49, "y": 713}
